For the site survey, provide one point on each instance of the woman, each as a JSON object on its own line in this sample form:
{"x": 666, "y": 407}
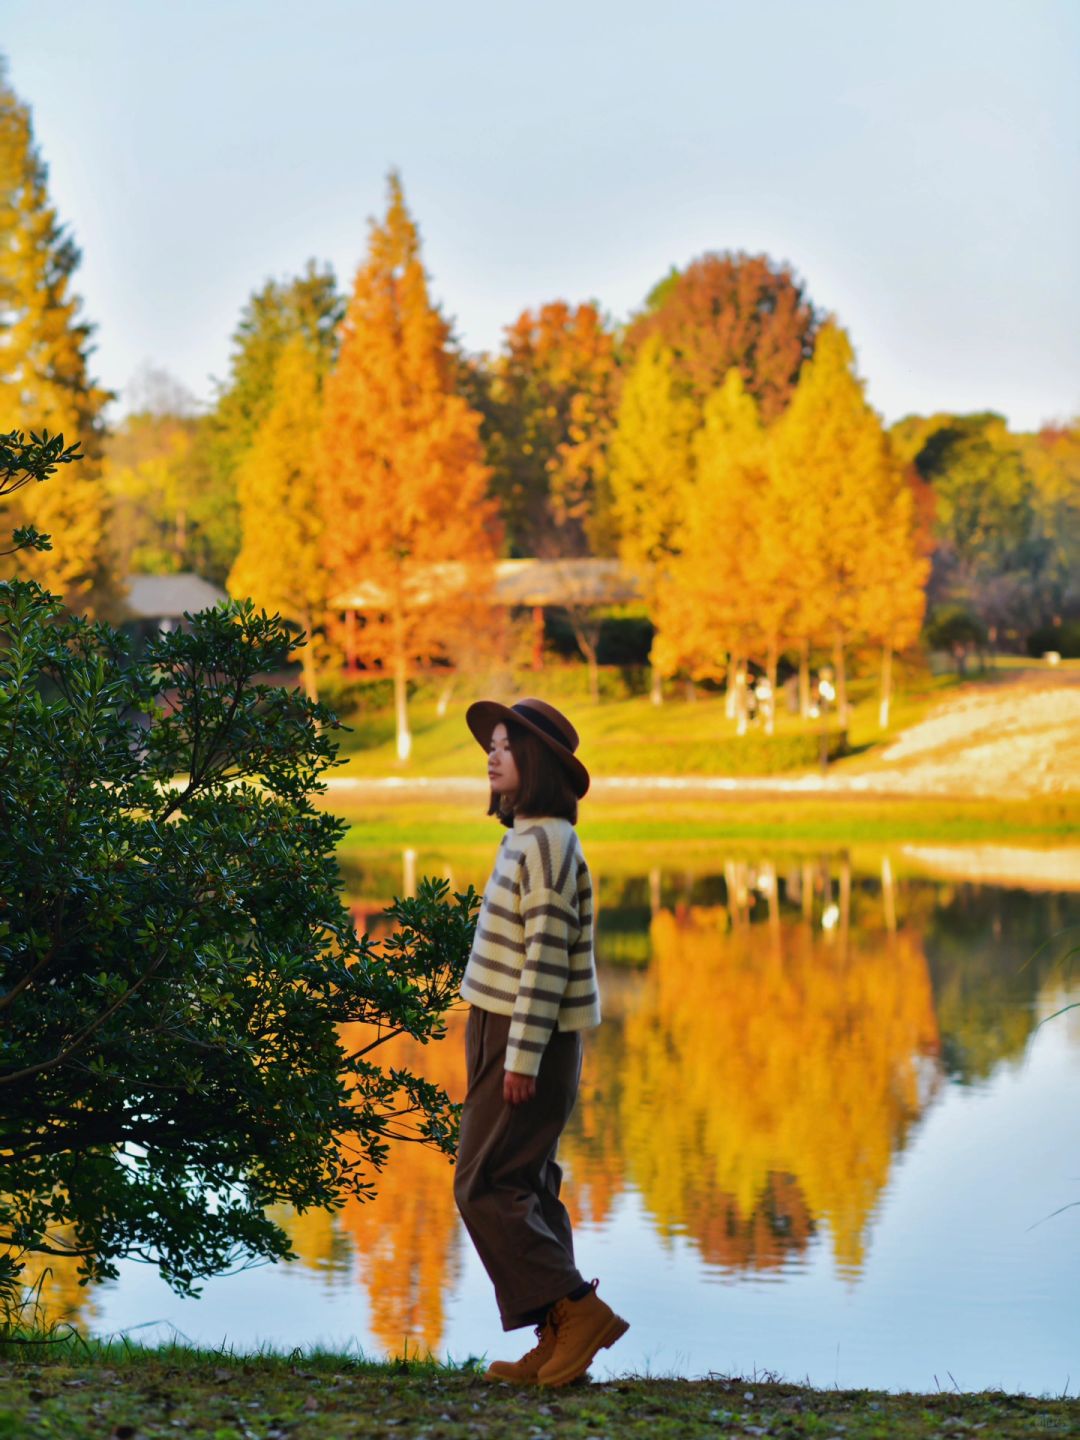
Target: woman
{"x": 531, "y": 981}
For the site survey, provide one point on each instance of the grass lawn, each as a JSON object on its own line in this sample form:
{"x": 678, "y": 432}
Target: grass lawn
{"x": 76, "y": 1389}
{"x": 633, "y": 736}
{"x": 386, "y": 822}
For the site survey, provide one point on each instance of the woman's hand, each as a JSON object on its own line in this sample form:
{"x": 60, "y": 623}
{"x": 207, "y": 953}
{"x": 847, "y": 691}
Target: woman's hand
{"x": 518, "y": 1088}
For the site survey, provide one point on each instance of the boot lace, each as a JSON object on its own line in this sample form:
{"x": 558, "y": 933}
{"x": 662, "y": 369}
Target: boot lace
{"x": 539, "y": 1337}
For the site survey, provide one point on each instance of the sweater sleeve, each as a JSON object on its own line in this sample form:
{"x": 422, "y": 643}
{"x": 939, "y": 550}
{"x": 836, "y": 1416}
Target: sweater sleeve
{"x": 550, "y": 921}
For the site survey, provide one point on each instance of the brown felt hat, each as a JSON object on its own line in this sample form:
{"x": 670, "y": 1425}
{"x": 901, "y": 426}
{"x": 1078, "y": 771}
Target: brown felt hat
{"x": 546, "y": 723}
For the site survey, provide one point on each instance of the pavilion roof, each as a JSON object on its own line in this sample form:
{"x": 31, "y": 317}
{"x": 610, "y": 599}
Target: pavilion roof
{"x": 515, "y": 582}
{"x": 159, "y": 597}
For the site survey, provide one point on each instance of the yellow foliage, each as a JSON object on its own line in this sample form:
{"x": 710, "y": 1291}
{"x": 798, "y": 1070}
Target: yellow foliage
{"x": 651, "y": 457}
{"x": 44, "y": 384}
{"x": 716, "y": 594}
{"x": 771, "y": 1066}
{"x": 278, "y": 488}
{"x": 839, "y": 485}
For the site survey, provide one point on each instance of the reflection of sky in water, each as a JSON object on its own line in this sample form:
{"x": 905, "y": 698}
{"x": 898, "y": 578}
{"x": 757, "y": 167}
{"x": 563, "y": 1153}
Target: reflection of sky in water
{"x": 935, "y": 1164}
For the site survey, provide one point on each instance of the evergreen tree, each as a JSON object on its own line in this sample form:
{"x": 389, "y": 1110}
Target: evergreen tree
{"x": 994, "y": 551}
{"x": 44, "y": 379}
{"x": 308, "y": 305}
{"x": 405, "y": 501}
{"x": 280, "y": 563}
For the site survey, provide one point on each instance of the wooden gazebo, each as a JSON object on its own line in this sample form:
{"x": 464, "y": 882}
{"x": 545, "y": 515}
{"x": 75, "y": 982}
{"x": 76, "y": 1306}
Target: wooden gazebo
{"x": 574, "y": 584}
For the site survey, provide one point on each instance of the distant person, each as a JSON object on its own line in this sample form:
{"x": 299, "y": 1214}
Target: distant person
{"x": 531, "y": 980}
{"x": 763, "y": 695}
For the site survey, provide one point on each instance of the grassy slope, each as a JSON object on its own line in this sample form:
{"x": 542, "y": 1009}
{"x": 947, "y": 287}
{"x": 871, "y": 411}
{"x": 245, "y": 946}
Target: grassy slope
{"x": 623, "y": 737}
{"x": 123, "y": 1392}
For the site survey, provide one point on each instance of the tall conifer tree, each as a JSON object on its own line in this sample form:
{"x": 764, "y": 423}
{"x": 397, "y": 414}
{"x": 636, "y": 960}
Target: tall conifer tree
{"x": 404, "y": 480}
{"x": 44, "y": 380}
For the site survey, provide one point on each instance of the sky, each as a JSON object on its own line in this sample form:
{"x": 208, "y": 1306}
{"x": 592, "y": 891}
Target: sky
{"x": 916, "y": 163}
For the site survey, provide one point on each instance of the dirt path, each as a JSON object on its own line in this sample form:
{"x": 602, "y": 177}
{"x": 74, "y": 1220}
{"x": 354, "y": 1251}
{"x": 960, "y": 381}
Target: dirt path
{"x": 1010, "y": 740}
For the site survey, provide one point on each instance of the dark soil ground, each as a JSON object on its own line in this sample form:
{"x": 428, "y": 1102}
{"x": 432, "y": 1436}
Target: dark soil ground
{"x": 123, "y": 1393}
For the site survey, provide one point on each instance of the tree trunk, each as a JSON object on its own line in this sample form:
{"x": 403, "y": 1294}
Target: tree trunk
{"x": 772, "y": 664}
{"x": 538, "y": 638}
{"x": 886, "y": 686}
{"x": 590, "y": 664}
{"x": 691, "y": 688}
{"x": 841, "y": 679}
{"x": 588, "y": 649}
{"x": 731, "y": 684}
{"x": 742, "y": 716}
{"x": 444, "y": 697}
{"x": 845, "y": 905}
{"x": 350, "y": 641}
{"x": 401, "y": 710}
{"x": 656, "y": 687}
{"x": 772, "y": 895}
{"x": 804, "y": 679}
{"x": 655, "y": 891}
{"x": 888, "y": 894}
{"x": 307, "y": 662}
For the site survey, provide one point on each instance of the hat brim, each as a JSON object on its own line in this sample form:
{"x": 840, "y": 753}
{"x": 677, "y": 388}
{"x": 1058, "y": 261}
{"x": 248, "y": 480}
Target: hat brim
{"x": 483, "y": 715}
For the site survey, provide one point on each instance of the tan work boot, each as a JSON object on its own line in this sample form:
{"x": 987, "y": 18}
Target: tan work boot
{"x": 525, "y": 1370}
{"x": 582, "y": 1327}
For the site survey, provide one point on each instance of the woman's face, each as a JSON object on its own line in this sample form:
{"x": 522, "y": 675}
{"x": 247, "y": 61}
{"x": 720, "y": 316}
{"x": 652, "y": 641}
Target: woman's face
{"x": 502, "y": 767}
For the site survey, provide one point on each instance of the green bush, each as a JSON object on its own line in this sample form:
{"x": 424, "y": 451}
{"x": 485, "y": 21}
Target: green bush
{"x": 1064, "y": 638}
{"x": 176, "y": 962}
{"x": 561, "y": 681}
{"x": 752, "y": 754}
{"x": 953, "y": 625}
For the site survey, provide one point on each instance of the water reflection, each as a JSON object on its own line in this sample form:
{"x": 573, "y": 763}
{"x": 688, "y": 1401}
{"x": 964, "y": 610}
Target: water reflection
{"x": 775, "y": 1030}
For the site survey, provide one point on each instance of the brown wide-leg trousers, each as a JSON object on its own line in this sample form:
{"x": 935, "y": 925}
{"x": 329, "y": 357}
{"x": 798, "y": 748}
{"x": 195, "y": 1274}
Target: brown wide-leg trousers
{"x": 506, "y": 1180}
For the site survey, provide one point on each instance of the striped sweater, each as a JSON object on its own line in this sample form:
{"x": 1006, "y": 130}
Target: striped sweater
{"x": 532, "y": 955}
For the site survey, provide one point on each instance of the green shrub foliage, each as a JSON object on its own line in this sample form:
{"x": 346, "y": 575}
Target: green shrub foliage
{"x": 176, "y": 961}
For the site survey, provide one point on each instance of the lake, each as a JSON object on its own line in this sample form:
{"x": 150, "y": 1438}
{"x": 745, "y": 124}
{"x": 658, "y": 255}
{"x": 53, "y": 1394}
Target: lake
{"x": 821, "y": 1136}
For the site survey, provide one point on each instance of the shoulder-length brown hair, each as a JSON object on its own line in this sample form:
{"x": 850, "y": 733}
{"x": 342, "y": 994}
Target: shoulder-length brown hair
{"x": 544, "y": 786}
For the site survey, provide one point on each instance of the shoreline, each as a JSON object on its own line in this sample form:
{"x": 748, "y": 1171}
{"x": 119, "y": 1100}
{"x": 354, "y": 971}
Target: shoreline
{"x": 627, "y": 786}
{"x": 63, "y": 1388}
